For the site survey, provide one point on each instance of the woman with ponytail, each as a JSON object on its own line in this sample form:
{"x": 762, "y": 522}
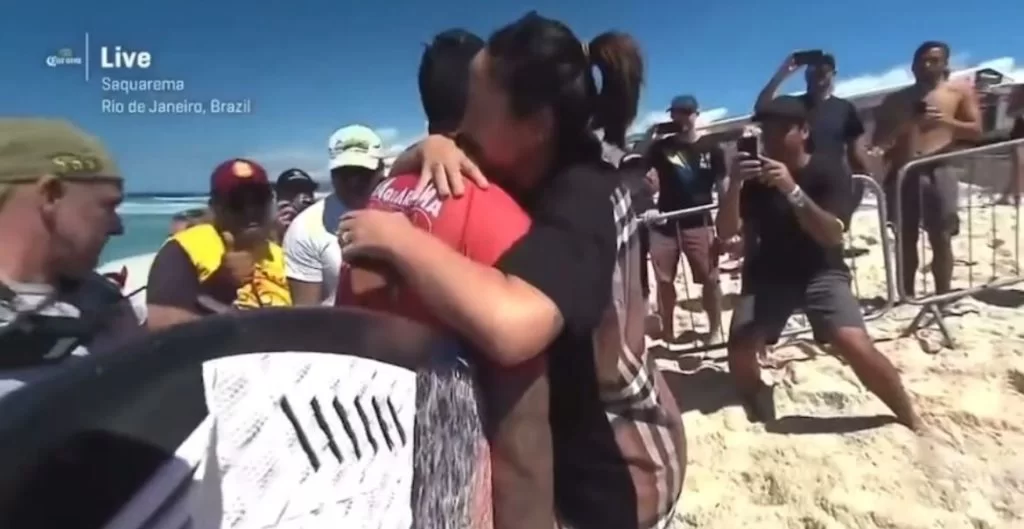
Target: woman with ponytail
{"x": 610, "y": 448}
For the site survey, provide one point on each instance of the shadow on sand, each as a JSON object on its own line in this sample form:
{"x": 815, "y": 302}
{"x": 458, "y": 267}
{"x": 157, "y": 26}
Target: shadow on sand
{"x": 1007, "y": 299}
{"x": 703, "y": 384}
{"x": 696, "y": 305}
{"x": 802, "y": 424}
{"x": 706, "y": 389}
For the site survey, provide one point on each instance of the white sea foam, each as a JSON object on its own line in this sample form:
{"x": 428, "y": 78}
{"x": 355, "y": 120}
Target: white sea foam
{"x": 160, "y": 205}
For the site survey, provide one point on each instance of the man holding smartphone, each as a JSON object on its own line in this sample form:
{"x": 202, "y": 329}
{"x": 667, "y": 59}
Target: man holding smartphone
{"x": 929, "y": 117}
{"x": 835, "y": 126}
{"x": 793, "y": 208}
{"x": 688, "y": 171}
{"x": 295, "y": 191}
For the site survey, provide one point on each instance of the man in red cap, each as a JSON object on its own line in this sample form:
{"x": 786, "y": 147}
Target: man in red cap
{"x": 229, "y": 262}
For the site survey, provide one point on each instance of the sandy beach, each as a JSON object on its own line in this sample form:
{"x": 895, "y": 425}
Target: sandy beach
{"x": 834, "y": 459}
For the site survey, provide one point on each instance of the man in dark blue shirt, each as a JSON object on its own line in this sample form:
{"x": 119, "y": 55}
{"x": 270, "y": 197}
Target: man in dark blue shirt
{"x": 793, "y": 209}
{"x": 835, "y": 126}
{"x": 688, "y": 170}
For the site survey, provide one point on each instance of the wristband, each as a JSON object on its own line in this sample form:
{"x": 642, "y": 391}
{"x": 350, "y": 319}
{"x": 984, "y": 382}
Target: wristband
{"x": 796, "y": 197}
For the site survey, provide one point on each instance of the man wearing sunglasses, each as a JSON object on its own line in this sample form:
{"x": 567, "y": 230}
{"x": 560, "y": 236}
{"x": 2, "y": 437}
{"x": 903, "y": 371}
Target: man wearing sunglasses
{"x": 230, "y": 262}
{"x": 312, "y": 252}
{"x": 836, "y": 127}
{"x": 689, "y": 172}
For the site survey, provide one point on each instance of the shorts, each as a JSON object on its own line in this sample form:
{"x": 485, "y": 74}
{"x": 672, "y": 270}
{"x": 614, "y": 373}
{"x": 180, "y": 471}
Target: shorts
{"x": 697, "y": 244}
{"x": 929, "y": 198}
{"x": 826, "y": 299}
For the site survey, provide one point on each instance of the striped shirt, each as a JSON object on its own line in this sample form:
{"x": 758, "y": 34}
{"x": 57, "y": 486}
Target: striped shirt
{"x": 619, "y": 443}
{"x": 617, "y": 440}
{"x": 641, "y": 410}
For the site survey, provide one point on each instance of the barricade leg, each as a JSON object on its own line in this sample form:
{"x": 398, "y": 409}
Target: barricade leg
{"x": 930, "y": 313}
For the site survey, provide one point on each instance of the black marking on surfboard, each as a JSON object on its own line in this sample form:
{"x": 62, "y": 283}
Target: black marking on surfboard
{"x": 286, "y": 407}
{"x": 383, "y": 423}
{"x": 321, "y": 421}
{"x": 398, "y": 422}
{"x": 366, "y": 426}
{"x": 343, "y": 415}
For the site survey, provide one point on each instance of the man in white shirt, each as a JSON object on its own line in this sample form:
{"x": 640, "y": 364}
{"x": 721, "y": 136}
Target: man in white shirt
{"x": 311, "y": 251}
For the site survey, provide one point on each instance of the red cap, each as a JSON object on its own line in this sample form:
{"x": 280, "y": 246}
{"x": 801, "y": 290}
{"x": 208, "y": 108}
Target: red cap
{"x": 235, "y": 173}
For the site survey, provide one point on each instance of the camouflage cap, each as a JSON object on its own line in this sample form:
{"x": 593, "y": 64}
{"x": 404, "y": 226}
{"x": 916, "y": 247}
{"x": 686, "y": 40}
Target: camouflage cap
{"x": 34, "y": 147}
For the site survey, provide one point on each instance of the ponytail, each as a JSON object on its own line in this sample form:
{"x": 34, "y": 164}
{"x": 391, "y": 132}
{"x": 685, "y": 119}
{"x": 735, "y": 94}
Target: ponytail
{"x": 617, "y": 56}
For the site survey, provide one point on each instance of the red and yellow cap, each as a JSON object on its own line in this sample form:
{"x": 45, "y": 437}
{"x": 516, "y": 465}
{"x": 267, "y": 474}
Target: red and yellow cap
{"x": 236, "y": 173}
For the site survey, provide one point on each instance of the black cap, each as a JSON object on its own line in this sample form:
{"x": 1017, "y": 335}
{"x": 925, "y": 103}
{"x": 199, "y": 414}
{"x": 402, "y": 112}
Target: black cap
{"x": 296, "y": 179}
{"x": 685, "y": 103}
{"x": 783, "y": 108}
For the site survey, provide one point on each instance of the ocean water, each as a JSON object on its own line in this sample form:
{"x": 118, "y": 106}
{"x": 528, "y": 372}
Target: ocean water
{"x": 147, "y": 219}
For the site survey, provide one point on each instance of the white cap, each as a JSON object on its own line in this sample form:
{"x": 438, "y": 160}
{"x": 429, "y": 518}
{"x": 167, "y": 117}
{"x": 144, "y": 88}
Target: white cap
{"x": 355, "y": 145}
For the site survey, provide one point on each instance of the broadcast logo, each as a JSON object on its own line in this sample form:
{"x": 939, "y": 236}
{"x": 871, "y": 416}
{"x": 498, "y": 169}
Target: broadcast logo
{"x": 63, "y": 57}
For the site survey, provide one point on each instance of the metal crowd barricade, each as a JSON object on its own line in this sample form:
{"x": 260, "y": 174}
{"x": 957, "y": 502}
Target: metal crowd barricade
{"x": 655, "y": 218}
{"x": 931, "y": 304}
{"x": 885, "y": 241}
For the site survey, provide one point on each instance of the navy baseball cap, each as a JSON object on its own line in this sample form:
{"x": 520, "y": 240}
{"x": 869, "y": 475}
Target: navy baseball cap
{"x": 296, "y": 179}
{"x": 685, "y": 103}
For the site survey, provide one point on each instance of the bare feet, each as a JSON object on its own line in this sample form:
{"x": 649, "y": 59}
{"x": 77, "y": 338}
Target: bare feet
{"x": 760, "y": 406}
{"x": 915, "y": 423}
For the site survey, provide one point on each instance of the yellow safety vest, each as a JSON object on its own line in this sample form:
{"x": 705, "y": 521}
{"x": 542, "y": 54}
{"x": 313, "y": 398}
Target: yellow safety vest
{"x": 269, "y": 287}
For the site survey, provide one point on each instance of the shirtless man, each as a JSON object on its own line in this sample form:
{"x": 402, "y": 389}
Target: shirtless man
{"x": 929, "y": 117}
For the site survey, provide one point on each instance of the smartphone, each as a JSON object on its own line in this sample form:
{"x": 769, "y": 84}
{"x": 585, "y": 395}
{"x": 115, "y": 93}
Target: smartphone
{"x": 806, "y": 57}
{"x": 663, "y": 130}
{"x": 749, "y": 145}
{"x": 920, "y": 108}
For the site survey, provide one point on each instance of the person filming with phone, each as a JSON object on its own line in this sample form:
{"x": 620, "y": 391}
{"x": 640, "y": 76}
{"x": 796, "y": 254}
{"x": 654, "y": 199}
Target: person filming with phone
{"x": 793, "y": 208}
{"x": 929, "y": 117}
{"x": 835, "y": 126}
{"x": 295, "y": 191}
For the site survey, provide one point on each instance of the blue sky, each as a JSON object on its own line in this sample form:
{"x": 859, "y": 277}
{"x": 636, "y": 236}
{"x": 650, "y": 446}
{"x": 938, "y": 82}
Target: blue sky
{"x": 311, "y": 67}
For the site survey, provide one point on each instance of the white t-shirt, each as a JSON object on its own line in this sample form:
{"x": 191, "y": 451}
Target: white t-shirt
{"x": 311, "y": 250}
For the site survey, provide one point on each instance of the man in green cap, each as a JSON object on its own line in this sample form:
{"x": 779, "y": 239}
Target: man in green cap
{"x": 59, "y": 193}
